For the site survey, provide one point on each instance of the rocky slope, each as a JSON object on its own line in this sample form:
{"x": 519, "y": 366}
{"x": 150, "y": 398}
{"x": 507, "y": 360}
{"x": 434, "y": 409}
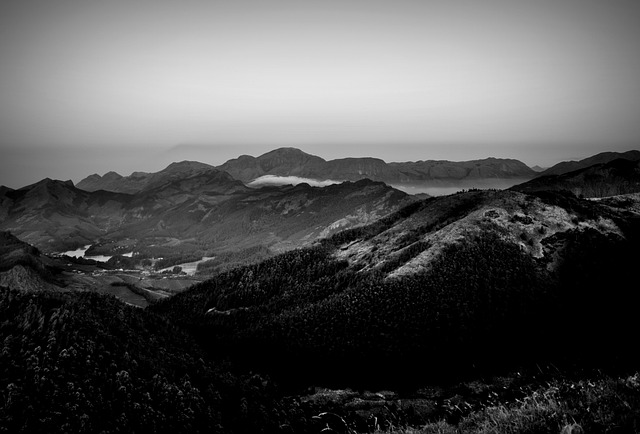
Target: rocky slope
{"x": 411, "y": 244}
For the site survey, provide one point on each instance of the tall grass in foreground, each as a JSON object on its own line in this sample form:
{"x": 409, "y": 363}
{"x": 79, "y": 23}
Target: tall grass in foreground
{"x": 603, "y": 405}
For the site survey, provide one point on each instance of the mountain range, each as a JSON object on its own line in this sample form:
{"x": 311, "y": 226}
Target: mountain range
{"x": 141, "y": 181}
{"x": 190, "y": 207}
{"x": 285, "y": 162}
{"x": 290, "y": 165}
{"x": 195, "y": 207}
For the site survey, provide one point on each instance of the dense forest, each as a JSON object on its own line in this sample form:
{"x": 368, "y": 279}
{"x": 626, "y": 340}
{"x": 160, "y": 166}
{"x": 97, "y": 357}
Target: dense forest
{"x": 88, "y": 363}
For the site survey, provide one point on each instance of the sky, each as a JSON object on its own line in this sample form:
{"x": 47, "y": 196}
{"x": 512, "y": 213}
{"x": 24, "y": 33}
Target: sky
{"x": 90, "y": 86}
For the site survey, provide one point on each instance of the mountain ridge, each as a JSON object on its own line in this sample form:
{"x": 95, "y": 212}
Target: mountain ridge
{"x": 279, "y": 162}
{"x": 191, "y": 208}
{"x": 139, "y": 181}
{"x": 290, "y": 161}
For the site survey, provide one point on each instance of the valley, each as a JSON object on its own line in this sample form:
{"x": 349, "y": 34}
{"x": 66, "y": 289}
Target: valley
{"x": 22, "y": 266}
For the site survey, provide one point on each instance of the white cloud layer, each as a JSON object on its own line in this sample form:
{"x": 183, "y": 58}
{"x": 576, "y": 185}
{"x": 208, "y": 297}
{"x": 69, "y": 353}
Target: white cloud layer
{"x": 290, "y": 180}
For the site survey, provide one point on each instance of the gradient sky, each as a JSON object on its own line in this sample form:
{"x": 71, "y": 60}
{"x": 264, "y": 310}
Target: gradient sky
{"x": 89, "y": 86}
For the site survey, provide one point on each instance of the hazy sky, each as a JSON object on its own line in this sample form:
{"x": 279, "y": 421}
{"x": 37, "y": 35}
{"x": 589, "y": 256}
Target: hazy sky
{"x": 90, "y": 86}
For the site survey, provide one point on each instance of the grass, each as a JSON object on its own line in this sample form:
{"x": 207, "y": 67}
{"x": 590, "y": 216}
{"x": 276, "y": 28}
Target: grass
{"x": 602, "y": 405}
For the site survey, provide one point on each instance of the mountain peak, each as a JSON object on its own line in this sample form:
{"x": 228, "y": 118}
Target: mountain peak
{"x": 289, "y": 154}
{"x": 112, "y": 175}
{"x": 285, "y": 150}
{"x": 185, "y": 166}
{"x": 48, "y": 182}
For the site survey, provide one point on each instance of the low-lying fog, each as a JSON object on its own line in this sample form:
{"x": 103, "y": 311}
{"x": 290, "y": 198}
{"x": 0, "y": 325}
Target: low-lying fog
{"x": 290, "y": 180}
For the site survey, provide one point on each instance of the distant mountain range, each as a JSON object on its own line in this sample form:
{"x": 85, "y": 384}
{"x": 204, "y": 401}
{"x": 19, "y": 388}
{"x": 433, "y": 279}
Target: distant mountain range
{"x": 140, "y": 181}
{"x": 294, "y": 162}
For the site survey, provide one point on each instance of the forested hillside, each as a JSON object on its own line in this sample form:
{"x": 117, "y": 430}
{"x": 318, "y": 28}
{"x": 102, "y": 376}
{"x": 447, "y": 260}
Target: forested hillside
{"x": 88, "y": 363}
{"x": 484, "y": 304}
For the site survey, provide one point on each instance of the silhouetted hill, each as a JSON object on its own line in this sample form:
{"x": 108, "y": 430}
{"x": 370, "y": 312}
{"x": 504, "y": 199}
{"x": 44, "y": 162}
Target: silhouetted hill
{"x": 604, "y": 157}
{"x": 619, "y": 176}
